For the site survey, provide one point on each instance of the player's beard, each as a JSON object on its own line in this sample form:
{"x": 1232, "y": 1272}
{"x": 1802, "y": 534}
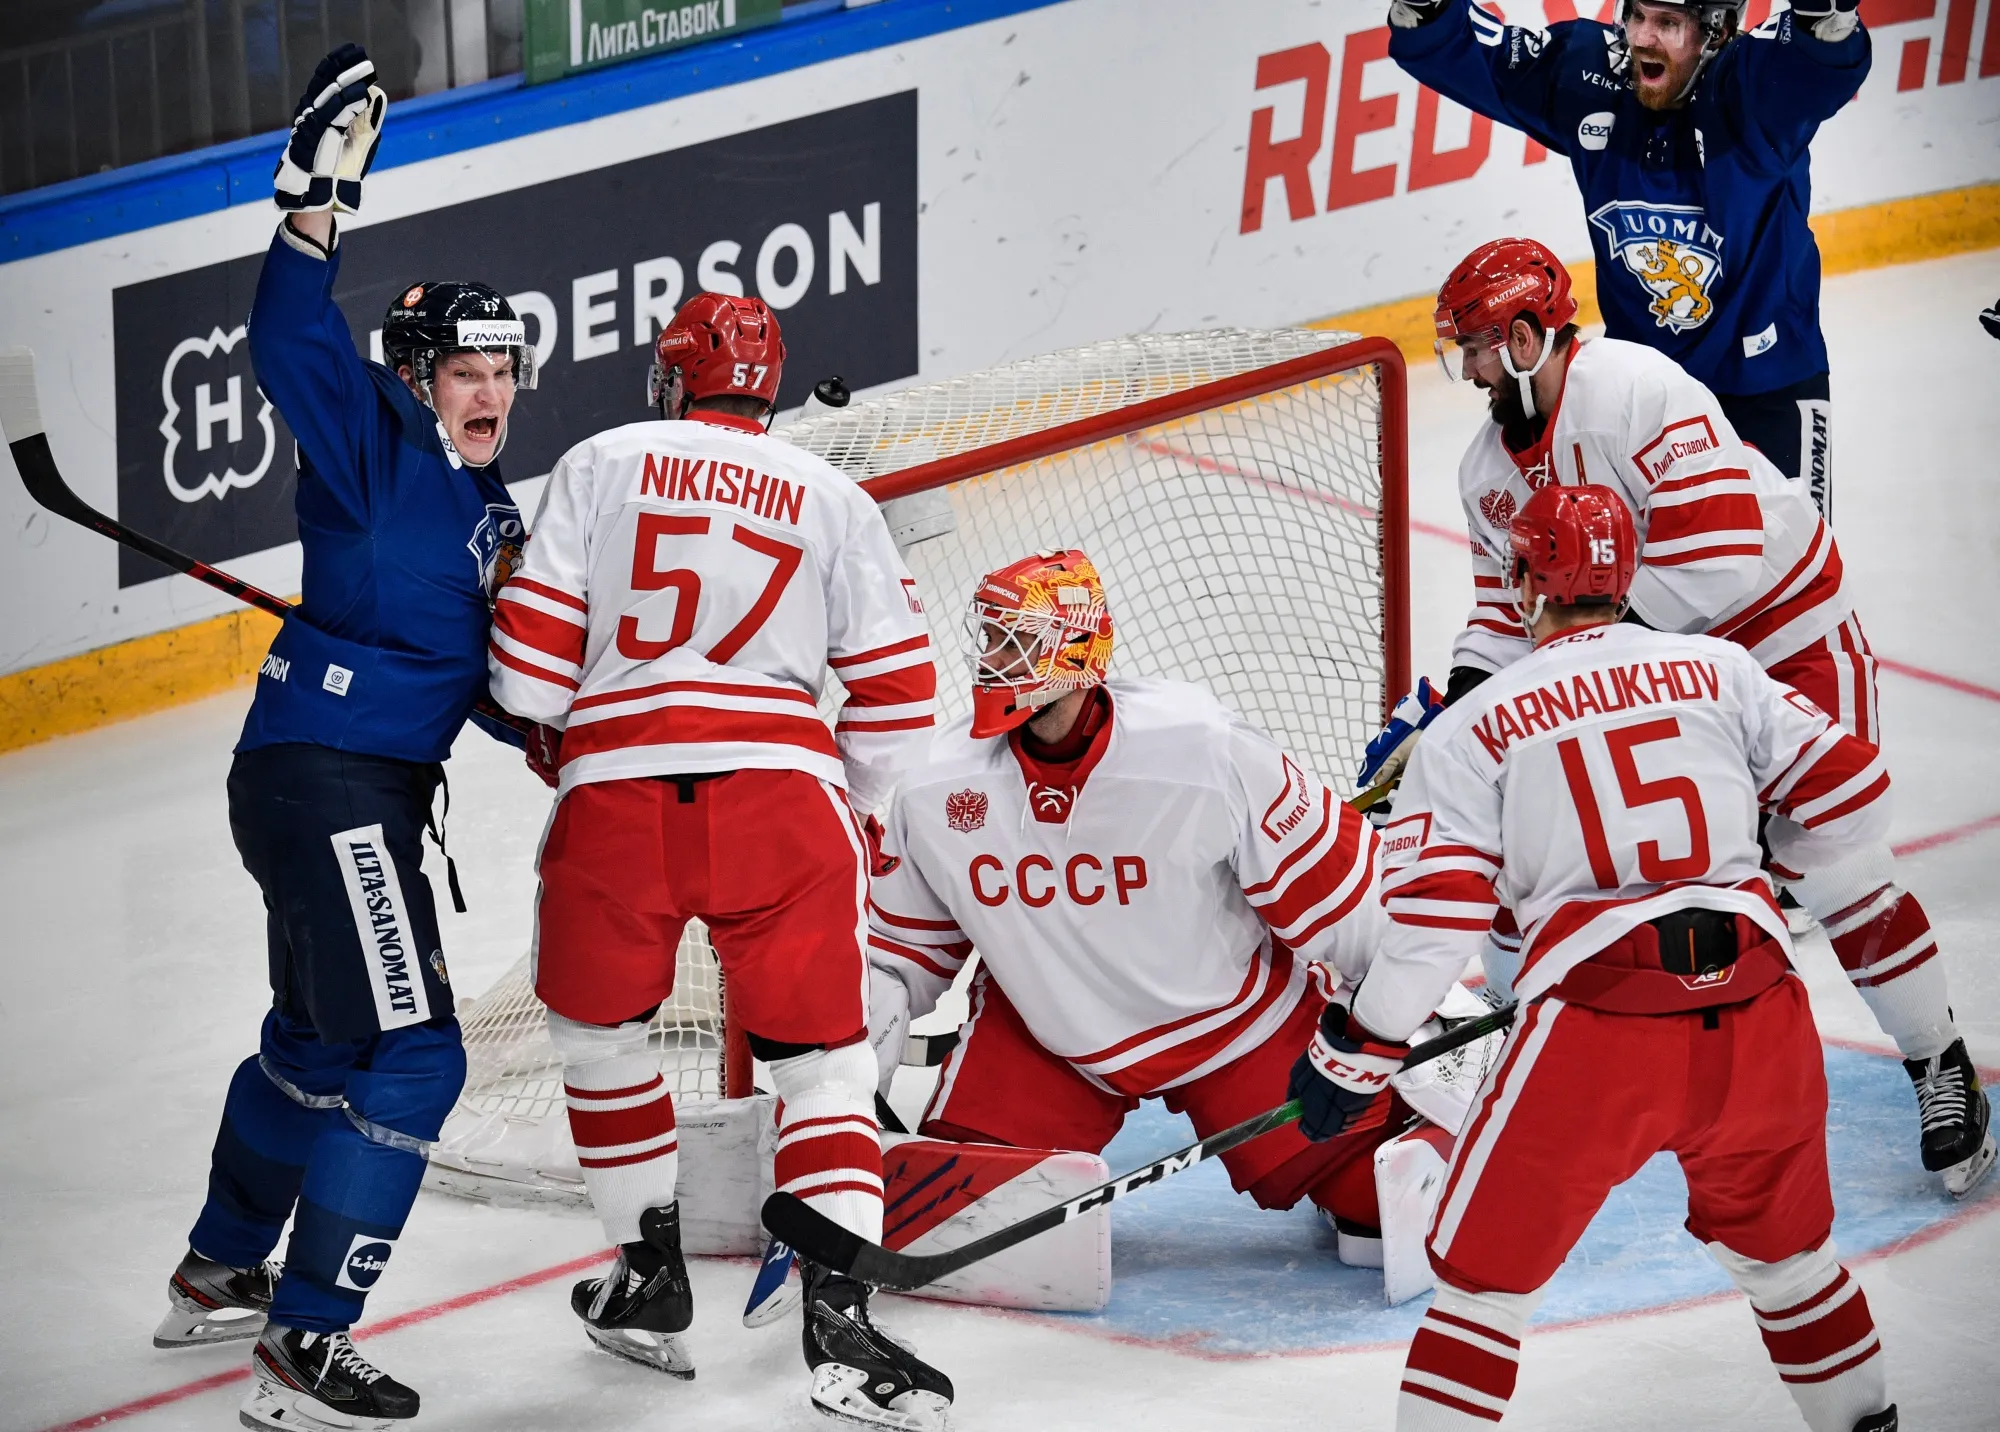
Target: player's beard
{"x": 1517, "y": 429}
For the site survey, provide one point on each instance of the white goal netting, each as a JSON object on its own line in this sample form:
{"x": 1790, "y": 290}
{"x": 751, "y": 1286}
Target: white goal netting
{"x": 1241, "y": 545}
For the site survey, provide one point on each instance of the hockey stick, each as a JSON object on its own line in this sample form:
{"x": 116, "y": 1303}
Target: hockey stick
{"x": 21, "y": 421}
{"x": 819, "y": 1238}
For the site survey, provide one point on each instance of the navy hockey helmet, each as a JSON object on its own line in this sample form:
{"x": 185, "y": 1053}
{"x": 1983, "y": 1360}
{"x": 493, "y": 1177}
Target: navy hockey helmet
{"x": 452, "y": 315}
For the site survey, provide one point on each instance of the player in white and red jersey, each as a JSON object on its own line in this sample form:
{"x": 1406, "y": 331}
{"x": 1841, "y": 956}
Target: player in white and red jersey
{"x": 687, "y": 586}
{"x": 1147, "y": 878}
{"x": 1728, "y": 547}
{"x": 1607, "y": 788}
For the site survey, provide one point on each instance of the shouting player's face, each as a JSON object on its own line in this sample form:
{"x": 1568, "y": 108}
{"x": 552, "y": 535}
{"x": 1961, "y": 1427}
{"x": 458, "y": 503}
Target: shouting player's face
{"x": 1665, "y": 42}
{"x": 472, "y": 393}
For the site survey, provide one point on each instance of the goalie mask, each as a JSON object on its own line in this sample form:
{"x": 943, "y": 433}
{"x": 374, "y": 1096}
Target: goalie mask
{"x": 1037, "y": 630}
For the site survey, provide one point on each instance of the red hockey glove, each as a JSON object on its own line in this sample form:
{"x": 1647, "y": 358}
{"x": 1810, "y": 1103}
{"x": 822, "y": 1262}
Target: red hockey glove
{"x": 544, "y": 753}
{"x": 878, "y": 863}
{"x": 1342, "y": 1072}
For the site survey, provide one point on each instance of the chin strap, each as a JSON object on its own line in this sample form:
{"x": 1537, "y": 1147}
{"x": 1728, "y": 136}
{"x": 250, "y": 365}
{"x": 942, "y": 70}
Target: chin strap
{"x": 1525, "y": 377}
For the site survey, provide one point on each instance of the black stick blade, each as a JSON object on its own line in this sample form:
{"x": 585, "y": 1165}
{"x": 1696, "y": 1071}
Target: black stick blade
{"x": 811, "y": 1233}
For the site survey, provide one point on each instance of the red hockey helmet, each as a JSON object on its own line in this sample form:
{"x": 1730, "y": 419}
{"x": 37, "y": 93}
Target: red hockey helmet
{"x": 1037, "y": 630}
{"x": 1492, "y": 286}
{"x": 1578, "y": 543}
{"x": 716, "y": 346}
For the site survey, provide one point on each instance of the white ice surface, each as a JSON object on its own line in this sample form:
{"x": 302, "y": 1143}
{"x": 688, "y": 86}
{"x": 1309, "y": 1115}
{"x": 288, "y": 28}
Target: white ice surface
{"x": 133, "y": 952}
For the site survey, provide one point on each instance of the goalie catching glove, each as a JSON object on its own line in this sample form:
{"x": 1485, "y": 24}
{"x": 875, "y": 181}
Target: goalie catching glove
{"x": 1342, "y": 1072}
{"x": 336, "y": 129}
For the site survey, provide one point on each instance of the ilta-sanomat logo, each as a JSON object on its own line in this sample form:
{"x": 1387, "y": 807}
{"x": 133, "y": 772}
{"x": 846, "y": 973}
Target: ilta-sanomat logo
{"x": 221, "y": 428}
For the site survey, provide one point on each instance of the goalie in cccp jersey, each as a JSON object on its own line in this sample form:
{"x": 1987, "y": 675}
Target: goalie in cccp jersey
{"x": 1153, "y": 886}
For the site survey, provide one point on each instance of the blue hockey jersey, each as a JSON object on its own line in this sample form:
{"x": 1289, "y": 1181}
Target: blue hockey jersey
{"x": 1698, "y": 215}
{"x": 386, "y": 651}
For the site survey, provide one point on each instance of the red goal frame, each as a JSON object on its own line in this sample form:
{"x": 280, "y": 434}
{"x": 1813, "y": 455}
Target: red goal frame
{"x": 1393, "y": 457}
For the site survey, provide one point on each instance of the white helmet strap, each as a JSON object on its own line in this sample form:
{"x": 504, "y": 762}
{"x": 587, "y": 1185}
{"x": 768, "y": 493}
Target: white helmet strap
{"x": 1525, "y": 377}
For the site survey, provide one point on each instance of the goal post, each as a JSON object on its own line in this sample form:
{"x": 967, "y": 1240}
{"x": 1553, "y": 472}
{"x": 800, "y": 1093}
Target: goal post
{"x": 1243, "y": 493}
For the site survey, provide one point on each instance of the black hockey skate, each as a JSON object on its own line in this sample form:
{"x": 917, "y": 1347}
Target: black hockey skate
{"x": 638, "y": 1309}
{"x": 1884, "y": 1421}
{"x": 861, "y": 1374}
{"x": 213, "y": 1302}
{"x": 1954, "y": 1113}
{"x": 317, "y": 1382}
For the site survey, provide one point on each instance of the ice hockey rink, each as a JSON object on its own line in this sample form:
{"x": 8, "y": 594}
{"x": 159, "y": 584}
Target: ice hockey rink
{"x": 135, "y": 958}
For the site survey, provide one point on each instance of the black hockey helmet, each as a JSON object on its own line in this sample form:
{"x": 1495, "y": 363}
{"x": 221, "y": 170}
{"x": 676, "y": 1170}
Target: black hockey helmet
{"x": 1721, "y": 21}
{"x": 451, "y": 315}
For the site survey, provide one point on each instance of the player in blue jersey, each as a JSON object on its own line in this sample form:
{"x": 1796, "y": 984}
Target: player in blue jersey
{"x": 407, "y": 531}
{"x": 1689, "y": 142}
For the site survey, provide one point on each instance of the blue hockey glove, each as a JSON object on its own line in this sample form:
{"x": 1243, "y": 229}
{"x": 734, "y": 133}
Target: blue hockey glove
{"x": 1342, "y": 1072}
{"x": 1828, "y": 20}
{"x": 1410, "y": 715}
{"x": 335, "y": 131}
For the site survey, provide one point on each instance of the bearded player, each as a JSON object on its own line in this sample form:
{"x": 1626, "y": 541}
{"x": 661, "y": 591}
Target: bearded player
{"x": 1728, "y": 546}
{"x": 688, "y": 583}
{"x": 1607, "y": 788}
{"x": 1689, "y": 142}
{"x": 1147, "y": 878}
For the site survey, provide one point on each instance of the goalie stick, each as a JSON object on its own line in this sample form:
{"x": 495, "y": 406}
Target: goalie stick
{"x": 21, "y": 421}
{"x": 819, "y": 1238}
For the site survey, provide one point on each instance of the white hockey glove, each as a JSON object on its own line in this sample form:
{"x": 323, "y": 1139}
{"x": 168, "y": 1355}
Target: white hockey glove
{"x": 1828, "y": 20}
{"x": 342, "y": 106}
{"x": 1408, "y": 14}
{"x": 888, "y": 1024}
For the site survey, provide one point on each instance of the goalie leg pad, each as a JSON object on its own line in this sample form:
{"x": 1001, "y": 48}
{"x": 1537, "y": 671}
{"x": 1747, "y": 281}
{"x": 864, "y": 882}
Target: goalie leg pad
{"x": 829, "y": 1145}
{"x": 1815, "y": 1323}
{"x": 1409, "y": 1176}
{"x": 621, "y": 1117}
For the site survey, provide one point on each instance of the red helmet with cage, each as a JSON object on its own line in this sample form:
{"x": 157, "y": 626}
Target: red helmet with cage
{"x": 1037, "y": 630}
{"x": 1495, "y": 284}
{"x": 1579, "y": 545}
{"x": 717, "y": 346}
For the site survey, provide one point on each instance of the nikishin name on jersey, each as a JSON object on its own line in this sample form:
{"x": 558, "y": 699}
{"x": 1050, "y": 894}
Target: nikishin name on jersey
{"x": 695, "y": 479}
{"x": 1594, "y": 693}
{"x": 1036, "y": 883}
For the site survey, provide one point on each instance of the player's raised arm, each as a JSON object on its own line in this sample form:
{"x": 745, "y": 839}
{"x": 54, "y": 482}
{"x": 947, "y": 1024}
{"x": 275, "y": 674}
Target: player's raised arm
{"x": 1505, "y": 72}
{"x": 541, "y": 622}
{"x": 1783, "y": 80}
{"x": 879, "y": 645}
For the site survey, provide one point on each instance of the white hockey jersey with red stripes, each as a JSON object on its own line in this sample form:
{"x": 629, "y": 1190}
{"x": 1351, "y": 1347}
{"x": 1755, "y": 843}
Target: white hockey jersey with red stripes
{"x": 686, "y": 588}
{"x": 1728, "y": 545}
{"x": 1614, "y": 775}
{"x": 1131, "y": 915}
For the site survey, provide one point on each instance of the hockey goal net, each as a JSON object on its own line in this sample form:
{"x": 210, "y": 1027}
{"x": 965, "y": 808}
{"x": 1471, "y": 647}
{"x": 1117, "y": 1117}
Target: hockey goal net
{"x": 1241, "y": 492}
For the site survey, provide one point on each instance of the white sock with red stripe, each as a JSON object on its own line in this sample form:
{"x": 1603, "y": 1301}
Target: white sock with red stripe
{"x": 1884, "y": 941}
{"x": 621, "y": 1117}
{"x": 829, "y": 1145}
{"x": 1816, "y": 1325}
{"x": 1463, "y": 1360}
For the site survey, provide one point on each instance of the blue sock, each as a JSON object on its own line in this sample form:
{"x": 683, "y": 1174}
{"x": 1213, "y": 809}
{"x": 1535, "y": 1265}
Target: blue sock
{"x": 266, "y": 1137}
{"x": 363, "y": 1175}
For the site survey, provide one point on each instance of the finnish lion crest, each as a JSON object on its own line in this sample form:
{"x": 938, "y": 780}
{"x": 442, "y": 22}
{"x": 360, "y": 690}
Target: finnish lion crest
{"x": 1673, "y": 253}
